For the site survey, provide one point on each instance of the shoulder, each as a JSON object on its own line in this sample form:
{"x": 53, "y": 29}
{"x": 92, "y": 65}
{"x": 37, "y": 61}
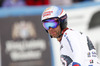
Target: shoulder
{"x": 73, "y": 33}
{"x": 70, "y": 32}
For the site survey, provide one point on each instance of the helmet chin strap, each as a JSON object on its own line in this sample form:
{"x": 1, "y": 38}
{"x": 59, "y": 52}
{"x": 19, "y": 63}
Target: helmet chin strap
{"x": 57, "y": 36}
{"x": 60, "y": 35}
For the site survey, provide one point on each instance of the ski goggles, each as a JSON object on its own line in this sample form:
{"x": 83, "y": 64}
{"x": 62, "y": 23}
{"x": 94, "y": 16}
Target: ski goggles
{"x": 52, "y": 22}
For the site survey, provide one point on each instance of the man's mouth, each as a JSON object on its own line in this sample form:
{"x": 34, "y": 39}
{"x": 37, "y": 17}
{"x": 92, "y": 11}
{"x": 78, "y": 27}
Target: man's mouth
{"x": 53, "y": 33}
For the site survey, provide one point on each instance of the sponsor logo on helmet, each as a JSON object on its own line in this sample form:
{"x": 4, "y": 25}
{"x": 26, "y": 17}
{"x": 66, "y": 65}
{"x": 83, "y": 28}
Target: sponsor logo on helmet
{"x": 47, "y": 13}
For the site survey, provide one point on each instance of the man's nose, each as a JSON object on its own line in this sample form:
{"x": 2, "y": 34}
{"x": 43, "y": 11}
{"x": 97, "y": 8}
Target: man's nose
{"x": 50, "y": 28}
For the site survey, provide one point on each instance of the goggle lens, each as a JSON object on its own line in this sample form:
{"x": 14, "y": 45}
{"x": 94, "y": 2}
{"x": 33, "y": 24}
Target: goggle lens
{"x": 53, "y": 23}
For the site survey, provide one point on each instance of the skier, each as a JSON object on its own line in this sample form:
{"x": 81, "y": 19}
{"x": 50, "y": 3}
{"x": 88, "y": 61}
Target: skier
{"x": 76, "y": 49}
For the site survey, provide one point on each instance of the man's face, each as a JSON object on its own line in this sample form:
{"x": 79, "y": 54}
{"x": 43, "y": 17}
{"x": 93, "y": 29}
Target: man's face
{"x": 55, "y": 32}
{"x": 52, "y": 25}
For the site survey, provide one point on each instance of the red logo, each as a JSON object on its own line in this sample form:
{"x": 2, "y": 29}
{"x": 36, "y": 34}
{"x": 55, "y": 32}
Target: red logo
{"x": 47, "y": 13}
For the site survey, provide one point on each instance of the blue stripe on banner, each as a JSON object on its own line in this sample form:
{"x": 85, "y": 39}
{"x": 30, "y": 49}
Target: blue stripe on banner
{"x": 37, "y": 10}
{"x": 22, "y": 11}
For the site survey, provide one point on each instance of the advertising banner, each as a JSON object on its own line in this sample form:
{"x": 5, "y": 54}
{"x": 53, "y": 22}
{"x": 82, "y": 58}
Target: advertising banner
{"x": 24, "y": 42}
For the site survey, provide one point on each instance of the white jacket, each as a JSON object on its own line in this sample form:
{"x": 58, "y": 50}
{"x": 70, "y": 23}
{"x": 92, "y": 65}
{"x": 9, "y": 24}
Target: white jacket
{"x": 76, "y": 48}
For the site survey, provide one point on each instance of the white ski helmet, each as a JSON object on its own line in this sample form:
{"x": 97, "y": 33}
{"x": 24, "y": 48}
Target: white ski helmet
{"x": 54, "y": 11}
